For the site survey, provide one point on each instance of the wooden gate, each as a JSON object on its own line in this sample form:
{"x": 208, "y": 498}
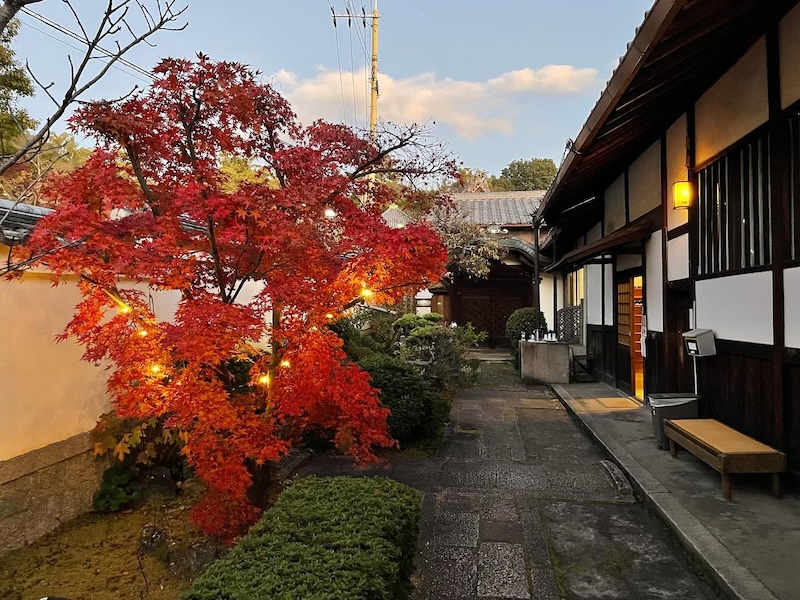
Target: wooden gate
{"x": 487, "y": 303}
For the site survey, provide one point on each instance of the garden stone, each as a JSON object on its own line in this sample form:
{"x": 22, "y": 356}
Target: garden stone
{"x": 192, "y": 559}
{"x": 152, "y": 538}
{"x": 193, "y": 486}
{"x": 157, "y": 481}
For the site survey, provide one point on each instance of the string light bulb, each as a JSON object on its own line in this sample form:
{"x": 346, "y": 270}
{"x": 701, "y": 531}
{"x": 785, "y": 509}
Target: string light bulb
{"x": 124, "y": 309}
{"x": 366, "y": 292}
{"x": 142, "y": 333}
{"x": 155, "y": 369}
{"x": 285, "y": 363}
{"x": 263, "y": 379}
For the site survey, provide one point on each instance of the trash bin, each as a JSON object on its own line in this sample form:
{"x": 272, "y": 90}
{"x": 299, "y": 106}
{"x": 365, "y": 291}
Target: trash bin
{"x": 670, "y": 406}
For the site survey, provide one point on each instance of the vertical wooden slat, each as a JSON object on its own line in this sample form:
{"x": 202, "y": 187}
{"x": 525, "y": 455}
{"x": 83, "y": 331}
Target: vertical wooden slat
{"x": 722, "y": 217}
{"x": 734, "y": 212}
{"x": 778, "y": 201}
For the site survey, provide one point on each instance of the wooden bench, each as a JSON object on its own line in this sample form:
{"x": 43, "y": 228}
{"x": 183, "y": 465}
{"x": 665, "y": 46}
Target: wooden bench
{"x": 725, "y": 450}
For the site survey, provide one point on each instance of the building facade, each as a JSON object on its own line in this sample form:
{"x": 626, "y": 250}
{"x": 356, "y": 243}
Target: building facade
{"x": 488, "y": 302}
{"x": 707, "y": 95}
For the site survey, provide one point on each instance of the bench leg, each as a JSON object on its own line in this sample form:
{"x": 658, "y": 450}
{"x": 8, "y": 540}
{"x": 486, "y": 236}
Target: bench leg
{"x": 726, "y": 486}
{"x": 776, "y": 485}
{"x": 673, "y": 448}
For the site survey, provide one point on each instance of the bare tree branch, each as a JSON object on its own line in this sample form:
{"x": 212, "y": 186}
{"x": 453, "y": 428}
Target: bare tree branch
{"x": 111, "y": 22}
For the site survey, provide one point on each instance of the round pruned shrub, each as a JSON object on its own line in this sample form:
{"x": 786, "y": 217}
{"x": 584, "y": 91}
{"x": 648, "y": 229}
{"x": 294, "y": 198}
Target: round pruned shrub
{"x": 403, "y": 391}
{"x": 356, "y": 344}
{"x": 523, "y": 320}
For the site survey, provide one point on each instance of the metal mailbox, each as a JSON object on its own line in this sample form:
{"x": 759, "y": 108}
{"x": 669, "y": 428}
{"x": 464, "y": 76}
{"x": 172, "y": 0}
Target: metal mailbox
{"x": 699, "y": 342}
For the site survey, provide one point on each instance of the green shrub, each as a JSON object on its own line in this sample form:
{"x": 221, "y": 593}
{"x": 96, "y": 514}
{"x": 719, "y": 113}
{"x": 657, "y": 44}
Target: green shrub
{"x": 333, "y": 538}
{"x": 433, "y": 317}
{"x": 403, "y": 390}
{"x": 356, "y": 344}
{"x": 408, "y": 322}
{"x": 117, "y": 490}
{"x": 523, "y": 320}
{"x": 443, "y": 349}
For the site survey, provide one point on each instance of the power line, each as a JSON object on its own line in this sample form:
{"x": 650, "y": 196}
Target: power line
{"x": 352, "y": 69}
{"x": 339, "y": 63}
{"x": 370, "y": 74}
{"x": 51, "y": 36}
{"x": 111, "y": 55}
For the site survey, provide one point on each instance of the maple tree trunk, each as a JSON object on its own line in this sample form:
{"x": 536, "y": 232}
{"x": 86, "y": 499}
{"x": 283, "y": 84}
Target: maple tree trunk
{"x": 263, "y": 475}
{"x": 9, "y": 10}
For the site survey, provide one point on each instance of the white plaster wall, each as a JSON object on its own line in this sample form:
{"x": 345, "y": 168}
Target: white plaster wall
{"x": 644, "y": 182}
{"x": 546, "y": 304}
{"x": 676, "y": 169}
{"x": 737, "y": 308}
{"x": 678, "y": 258}
{"x": 165, "y": 304}
{"x": 789, "y": 48}
{"x": 734, "y": 106}
{"x": 610, "y": 292}
{"x": 791, "y": 283}
{"x": 594, "y": 294}
{"x": 654, "y": 282}
{"x": 614, "y": 198}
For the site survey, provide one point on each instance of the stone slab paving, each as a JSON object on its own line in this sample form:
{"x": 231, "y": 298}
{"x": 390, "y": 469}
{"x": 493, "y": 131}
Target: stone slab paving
{"x": 519, "y": 503}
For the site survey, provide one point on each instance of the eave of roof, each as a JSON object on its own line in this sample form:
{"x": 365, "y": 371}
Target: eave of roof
{"x": 17, "y": 220}
{"x": 508, "y": 209}
{"x": 681, "y": 48}
{"x": 631, "y": 233}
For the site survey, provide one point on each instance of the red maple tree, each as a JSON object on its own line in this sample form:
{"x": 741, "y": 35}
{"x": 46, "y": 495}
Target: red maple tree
{"x": 153, "y": 204}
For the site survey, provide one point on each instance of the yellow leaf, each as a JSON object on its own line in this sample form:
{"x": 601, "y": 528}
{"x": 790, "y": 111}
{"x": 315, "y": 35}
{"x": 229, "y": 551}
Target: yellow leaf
{"x": 121, "y": 450}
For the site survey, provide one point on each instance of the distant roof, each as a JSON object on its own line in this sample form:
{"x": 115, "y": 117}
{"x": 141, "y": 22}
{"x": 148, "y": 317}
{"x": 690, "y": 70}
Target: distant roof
{"x": 17, "y": 220}
{"x": 395, "y": 217}
{"x": 503, "y": 208}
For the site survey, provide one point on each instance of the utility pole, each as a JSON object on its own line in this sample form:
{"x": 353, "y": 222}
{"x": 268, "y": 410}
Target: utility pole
{"x": 373, "y": 100}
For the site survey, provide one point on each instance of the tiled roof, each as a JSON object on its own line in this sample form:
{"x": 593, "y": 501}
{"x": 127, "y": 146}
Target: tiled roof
{"x": 503, "y": 208}
{"x": 17, "y": 220}
{"x": 396, "y": 217}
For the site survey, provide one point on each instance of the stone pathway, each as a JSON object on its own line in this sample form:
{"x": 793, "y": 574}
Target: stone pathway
{"x": 519, "y": 503}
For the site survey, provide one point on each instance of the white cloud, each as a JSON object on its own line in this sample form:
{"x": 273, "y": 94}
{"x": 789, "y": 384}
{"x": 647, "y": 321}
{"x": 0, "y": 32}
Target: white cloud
{"x": 470, "y": 108}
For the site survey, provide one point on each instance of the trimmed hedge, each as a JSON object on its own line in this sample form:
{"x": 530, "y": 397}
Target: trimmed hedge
{"x": 328, "y": 538}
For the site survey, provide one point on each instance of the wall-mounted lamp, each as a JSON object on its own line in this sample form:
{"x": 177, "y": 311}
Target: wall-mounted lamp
{"x": 681, "y": 195}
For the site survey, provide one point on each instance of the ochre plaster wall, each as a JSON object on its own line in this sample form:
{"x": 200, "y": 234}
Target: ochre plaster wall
{"x": 644, "y": 182}
{"x": 676, "y": 169}
{"x": 734, "y": 106}
{"x": 789, "y": 48}
{"x": 614, "y": 198}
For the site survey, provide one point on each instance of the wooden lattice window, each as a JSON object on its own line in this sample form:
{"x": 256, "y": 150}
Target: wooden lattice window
{"x": 624, "y": 313}
{"x": 734, "y": 210}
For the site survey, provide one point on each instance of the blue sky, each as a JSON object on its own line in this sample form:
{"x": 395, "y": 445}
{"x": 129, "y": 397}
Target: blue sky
{"x": 502, "y": 80}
